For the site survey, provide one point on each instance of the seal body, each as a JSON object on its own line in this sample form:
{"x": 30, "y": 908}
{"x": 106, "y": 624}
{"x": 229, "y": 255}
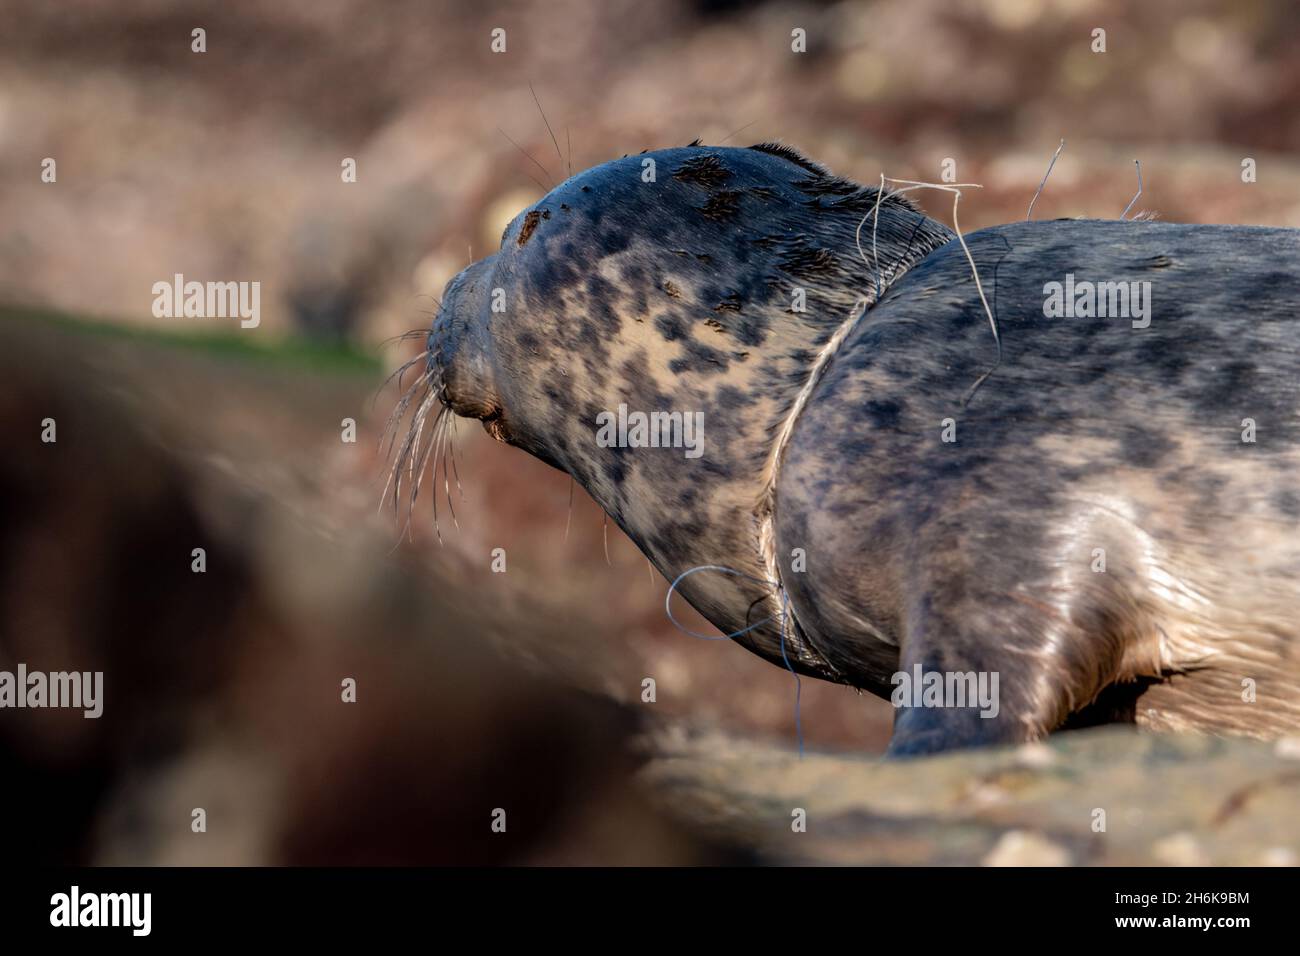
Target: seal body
{"x": 1114, "y": 518}
{"x": 1092, "y": 495}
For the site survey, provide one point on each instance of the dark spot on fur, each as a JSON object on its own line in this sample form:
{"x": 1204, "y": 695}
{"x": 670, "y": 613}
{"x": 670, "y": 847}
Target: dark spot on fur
{"x": 731, "y": 303}
{"x": 546, "y": 214}
{"x": 808, "y": 263}
{"x": 732, "y": 397}
{"x": 670, "y": 327}
{"x": 722, "y": 206}
{"x": 763, "y": 193}
{"x": 1226, "y": 385}
{"x": 706, "y": 171}
{"x": 614, "y": 469}
{"x": 679, "y": 365}
{"x": 704, "y": 257}
{"x": 1165, "y": 362}
{"x": 883, "y": 413}
{"x": 600, "y": 290}
{"x": 1288, "y": 503}
{"x": 1144, "y": 447}
{"x": 529, "y": 225}
{"x": 633, "y": 274}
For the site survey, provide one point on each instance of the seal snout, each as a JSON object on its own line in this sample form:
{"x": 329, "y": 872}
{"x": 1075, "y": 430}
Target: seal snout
{"x": 459, "y": 347}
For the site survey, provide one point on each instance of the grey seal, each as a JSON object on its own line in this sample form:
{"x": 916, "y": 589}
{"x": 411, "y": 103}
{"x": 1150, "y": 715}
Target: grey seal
{"x": 1095, "y": 501}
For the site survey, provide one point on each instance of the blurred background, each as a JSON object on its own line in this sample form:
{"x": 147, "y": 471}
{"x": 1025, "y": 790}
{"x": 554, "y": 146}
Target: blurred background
{"x": 475, "y": 690}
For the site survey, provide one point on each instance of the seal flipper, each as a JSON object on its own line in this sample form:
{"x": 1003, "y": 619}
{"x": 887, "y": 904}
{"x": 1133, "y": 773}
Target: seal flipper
{"x": 1007, "y": 649}
{"x": 919, "y": 732}
{"x": 952, "y": 693}
{"x": 939, "y": 657}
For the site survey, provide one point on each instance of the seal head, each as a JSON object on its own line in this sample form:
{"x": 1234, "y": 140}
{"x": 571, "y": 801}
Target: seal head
{"x": 701, "y": 282}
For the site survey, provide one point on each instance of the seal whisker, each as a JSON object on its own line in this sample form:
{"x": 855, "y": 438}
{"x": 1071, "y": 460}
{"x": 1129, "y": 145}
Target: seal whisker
{"x": 737, "y": 131}
{"x": 569, "y": 517}
{"x": 401, "y": 369}
{"x": 397, "y": 373}
{"x": 1030, "y": 214}
{"x": 389, "y": 432}
{"x": 437, "y": 421}
{"x": 443, "y": 430}
{"x": 414, "y": 437}
{"x": 421, "y": 416}
{"x": 558, "y": 155}
{"x": 418, "y": 465}
{"x": 445, "y": 441}
{"x": 422, "y": 333}
{"x": 1135, "y": 195}
{"x": 410, "y": 443}
{"x": 445, "y": 422}
{"x": 530, "y": 176}
{"x": 455, "y": 471}
{"x": 438, "y": 427}
{"x": 399, "y": 410}
{"x": 416, "y": 460}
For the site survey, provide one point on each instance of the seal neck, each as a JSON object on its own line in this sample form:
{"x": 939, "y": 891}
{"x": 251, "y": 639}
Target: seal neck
{"x": 764, "y": 513}
{"x": 721, "y": 508}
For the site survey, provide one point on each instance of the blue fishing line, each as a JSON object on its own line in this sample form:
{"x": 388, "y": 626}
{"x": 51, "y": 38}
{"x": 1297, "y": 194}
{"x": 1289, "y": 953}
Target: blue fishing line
{"x": 798, "y": 684}
{"x": 785, "y": 605}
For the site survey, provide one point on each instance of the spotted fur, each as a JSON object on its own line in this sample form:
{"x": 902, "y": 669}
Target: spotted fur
{"x": 678, "y": 294}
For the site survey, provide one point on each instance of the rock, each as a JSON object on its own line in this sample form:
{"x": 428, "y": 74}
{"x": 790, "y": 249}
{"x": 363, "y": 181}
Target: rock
{"x": 1162, "y": 800}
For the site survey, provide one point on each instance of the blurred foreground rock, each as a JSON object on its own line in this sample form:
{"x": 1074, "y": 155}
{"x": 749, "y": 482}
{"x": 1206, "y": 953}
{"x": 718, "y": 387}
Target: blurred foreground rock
{"x": 222, "y": 689}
